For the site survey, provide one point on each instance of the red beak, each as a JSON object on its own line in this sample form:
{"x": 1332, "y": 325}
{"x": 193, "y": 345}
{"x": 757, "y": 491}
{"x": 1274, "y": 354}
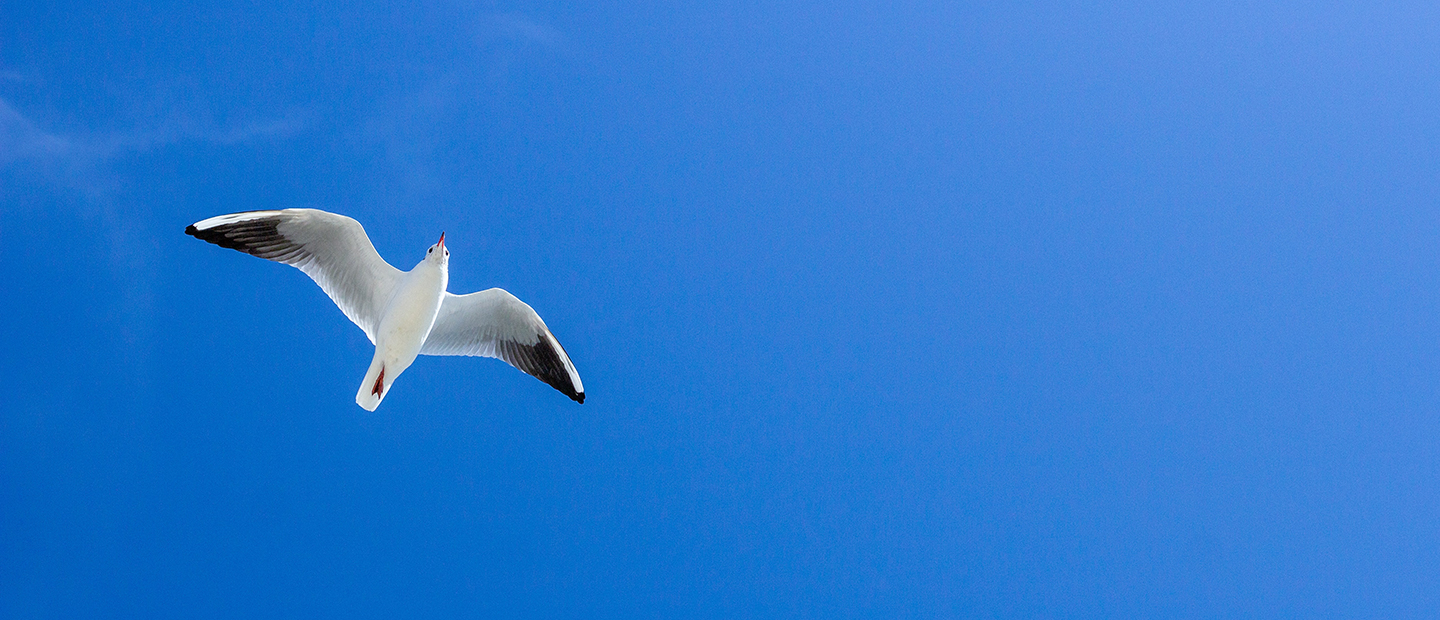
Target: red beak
{"x": 442, "y": 239}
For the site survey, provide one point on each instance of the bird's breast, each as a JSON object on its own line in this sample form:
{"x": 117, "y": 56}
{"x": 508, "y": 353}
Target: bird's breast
{"x": 411, "y": 312}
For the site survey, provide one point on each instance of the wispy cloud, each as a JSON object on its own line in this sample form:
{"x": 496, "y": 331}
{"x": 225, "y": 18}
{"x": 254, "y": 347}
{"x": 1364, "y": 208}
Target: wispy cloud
{"x": 21, "y": 138}
{"x": 517, "y": 27}
{"x": 79, "y": 156}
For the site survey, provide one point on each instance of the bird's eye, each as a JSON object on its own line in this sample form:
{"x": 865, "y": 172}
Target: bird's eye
{"x": 430, "y": 251}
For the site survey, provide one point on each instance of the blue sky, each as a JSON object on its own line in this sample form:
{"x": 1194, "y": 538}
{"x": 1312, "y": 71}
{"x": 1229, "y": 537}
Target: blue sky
{"x": 920, "y": 310}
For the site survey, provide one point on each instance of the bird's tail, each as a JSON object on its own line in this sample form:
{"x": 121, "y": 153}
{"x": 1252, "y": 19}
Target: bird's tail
{"x": 375, "y": 385}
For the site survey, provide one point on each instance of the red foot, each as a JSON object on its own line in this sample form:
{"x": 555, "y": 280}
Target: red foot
{"x": 379, "y": 383}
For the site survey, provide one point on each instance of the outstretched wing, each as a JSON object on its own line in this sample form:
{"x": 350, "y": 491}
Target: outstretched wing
{"x": 495, "y": 324}
{"x": 332, "y": 249}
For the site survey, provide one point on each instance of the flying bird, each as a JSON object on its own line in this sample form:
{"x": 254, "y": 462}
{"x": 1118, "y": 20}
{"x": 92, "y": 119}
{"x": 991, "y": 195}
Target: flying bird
{"x": 405, "y": 314}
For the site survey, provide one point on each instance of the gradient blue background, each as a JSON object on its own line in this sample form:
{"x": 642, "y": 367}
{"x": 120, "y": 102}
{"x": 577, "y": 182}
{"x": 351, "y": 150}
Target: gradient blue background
{"x": 919, "y": 310}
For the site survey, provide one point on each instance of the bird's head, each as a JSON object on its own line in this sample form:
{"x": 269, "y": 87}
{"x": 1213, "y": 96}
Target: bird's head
{"x": 437, "y": 253}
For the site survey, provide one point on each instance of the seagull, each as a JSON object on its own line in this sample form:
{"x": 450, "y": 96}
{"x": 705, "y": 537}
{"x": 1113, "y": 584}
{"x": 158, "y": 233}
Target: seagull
{"x": 404, "y": 314}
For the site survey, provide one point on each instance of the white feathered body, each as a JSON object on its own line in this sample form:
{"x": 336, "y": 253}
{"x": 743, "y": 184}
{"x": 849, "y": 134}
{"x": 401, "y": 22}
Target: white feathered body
{"x": 404, "y": 325}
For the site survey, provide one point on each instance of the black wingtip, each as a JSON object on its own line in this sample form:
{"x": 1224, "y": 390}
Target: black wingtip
{"x": 191, "y": 230}
{"x": 579, "y": 398}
